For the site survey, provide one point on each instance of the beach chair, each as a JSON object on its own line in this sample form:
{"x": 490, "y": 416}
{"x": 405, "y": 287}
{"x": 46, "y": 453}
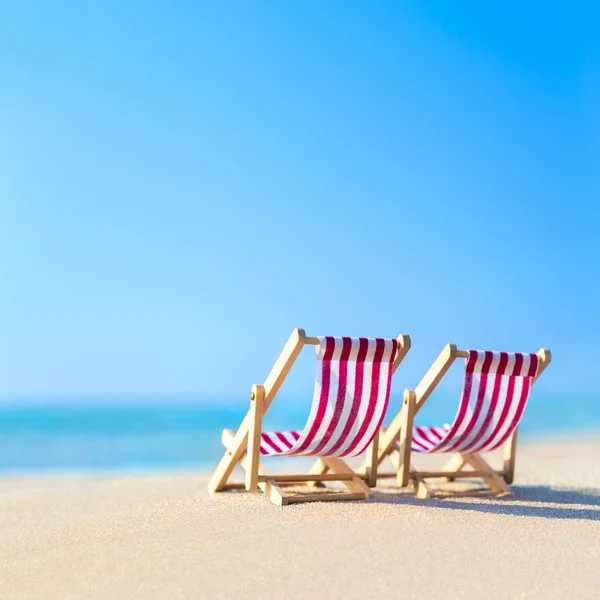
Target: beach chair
{"x": 495, "y": 393}
{"x": 351, "y": 393}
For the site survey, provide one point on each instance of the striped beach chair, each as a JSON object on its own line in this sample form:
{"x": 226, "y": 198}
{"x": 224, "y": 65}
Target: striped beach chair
{"x": 495, "y": 392}
{"x": 351, "y": 393}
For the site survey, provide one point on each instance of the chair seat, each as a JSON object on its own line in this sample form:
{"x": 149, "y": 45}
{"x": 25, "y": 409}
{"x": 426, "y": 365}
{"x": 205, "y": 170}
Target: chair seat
{"x": 495, "y": 393}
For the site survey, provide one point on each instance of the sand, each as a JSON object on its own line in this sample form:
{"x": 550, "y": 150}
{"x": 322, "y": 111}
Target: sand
{"x": 164, "y": 537}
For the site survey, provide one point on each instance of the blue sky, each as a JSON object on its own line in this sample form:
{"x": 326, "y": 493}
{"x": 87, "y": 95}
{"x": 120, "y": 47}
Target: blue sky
{"x": 182, "y": 184}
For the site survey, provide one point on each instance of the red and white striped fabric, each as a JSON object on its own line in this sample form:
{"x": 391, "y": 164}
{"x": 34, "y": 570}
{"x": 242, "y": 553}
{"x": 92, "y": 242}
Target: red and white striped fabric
{"x": 494, "y": 396}
{"x": 352, "y": 390}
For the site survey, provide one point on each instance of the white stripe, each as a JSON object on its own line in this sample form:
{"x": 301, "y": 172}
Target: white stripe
{"x": 337, "y": 349}
{"x": 371, "y": 351}
{"x": 478, "y": 361}
{"x": 512, "y": 363}
{"x": 320, "y": 349}
{"x": 388, "y": 351}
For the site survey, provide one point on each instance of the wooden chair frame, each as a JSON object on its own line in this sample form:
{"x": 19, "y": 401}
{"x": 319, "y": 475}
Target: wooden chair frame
{"x": 243, "y": 447}
{"x": 401, "y": 429}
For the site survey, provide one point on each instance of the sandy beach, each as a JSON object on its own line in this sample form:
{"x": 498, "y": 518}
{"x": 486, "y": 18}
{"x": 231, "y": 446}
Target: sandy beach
{"x": 164, "y": 537}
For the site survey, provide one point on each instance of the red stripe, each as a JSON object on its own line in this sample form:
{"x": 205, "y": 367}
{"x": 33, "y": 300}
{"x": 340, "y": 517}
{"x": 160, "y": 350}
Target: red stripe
{"x": 379, "y": 347}
{"x": 533, "y": 365}
{"x": 295, "y": 435}
{"x": 346, "y": 348}
{"x": 487, "y": 362}
{"x": 471, "y": 361}
{"x": 284, "y": 440}
{"x": 503, "y": 363}
{"x": 341, "y": 396}
{"x": 379, "y": 350}
{"x": 518, "y": 364}
{"x": 518, "y": 413}
{"x": 363, "y": 346}
{"x": 436, "y": 433}
{"x": 329, "y": 348}
{"x": 269, "y": 440}
{"x": 379, "y": 344}
{"x": 325, "y": 383}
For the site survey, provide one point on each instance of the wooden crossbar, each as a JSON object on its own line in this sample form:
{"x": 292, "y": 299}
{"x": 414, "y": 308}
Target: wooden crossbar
{"x": 442, "y": 474}
{"x": 308, "y": 477}
{"x": 326, "y": 497}
{"x": 455, "y": 474}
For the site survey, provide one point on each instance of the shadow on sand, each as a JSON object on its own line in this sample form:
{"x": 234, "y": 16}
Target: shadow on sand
{"x": 528, "y": 501}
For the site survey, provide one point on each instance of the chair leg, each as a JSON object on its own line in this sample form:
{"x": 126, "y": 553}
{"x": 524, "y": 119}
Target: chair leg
{"x": 371, "y": 461}
{"x": 227, "y": 438}
{"x": 318, "y": 468}
{"x": 406, "y": 431}
{"x": 494, "y": 481}
{"x": 497, "y": 485}
{"x": 394, "y": 456}
{"x": 420, "y": 487}
{"x": 454, "y": 465}
{"x": 509, "y": 454}
{"x": 257, "y": 398}
{"x": 274, "y": 493}
{"x": 356, "y": 484}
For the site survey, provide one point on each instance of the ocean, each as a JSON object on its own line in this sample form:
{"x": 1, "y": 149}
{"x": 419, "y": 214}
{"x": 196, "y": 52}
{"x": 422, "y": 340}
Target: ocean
{"x": 136, "y": 435}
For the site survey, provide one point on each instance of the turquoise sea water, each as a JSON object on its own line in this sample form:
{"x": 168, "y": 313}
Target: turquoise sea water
{"x": 136, "y": 436}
